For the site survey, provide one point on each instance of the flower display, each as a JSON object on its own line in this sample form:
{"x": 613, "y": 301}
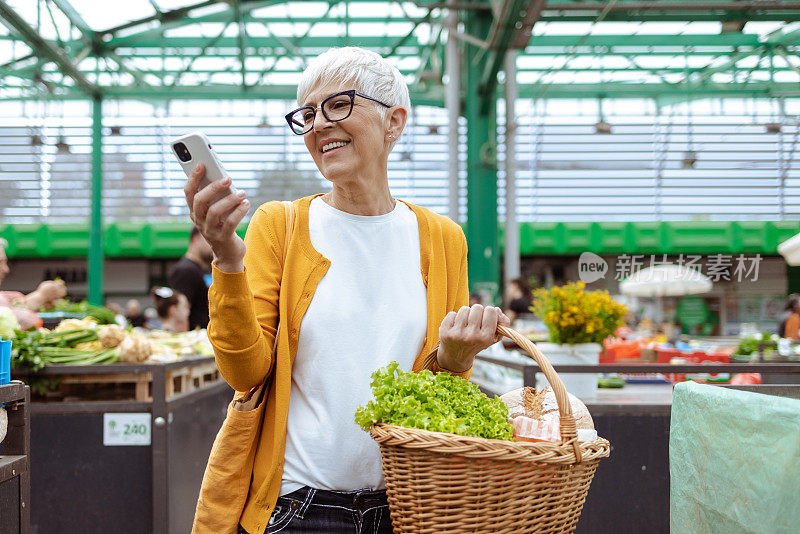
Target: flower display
{"x": 573, "y": 315}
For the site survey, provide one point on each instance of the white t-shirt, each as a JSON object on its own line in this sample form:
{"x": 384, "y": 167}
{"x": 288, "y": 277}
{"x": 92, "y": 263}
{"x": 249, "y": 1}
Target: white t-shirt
{"x": 369, "y": 309}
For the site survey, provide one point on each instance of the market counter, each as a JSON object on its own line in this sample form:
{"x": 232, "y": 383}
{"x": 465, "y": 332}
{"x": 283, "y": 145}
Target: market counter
{"x": 125, "y": 466}
{"x": 630, "y": 490}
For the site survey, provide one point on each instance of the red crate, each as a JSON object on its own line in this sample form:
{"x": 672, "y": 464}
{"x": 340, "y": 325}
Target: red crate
{"x": 665, "y": 355}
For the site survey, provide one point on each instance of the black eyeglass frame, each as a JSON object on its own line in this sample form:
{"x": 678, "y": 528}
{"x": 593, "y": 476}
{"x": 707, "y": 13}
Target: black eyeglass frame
{"x": 352, "y": 93}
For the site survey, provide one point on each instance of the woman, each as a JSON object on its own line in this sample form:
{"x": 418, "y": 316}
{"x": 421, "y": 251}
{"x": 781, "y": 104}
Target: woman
{"x": 367, "y": 279}
{"x": 519, "y": 297}
{"x": 172, "y": 308}
{"x": 26, "y": 306}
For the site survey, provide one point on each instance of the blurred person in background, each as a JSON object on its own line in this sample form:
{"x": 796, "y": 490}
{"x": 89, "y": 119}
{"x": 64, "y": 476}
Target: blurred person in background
{"x": 192, "y": 277}
{"x": 475, "y": 298}
{"x": 789, "y": 326}
{"x": 172, "y": 308}
{"x": 519, "y": 298}
{"x": 367, "y": 279}
{"x": 26, "y": 306}
{"x": 133, "y": 313}
{"x": 119, "y": 313}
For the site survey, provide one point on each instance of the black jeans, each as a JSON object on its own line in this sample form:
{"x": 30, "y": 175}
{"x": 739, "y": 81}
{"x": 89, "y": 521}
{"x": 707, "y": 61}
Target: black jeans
{"x": 311, "y": 511}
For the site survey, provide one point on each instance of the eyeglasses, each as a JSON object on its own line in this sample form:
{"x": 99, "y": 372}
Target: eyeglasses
{"x": 335, "y": 108}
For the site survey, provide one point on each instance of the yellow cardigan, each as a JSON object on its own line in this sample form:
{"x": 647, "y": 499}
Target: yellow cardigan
{"x": 245, "y": 307}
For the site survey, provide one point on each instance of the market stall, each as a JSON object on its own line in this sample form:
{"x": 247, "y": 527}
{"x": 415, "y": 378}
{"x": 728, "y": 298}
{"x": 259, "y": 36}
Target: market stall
{"x": 15, "y": 484}
{"x": 121, "y": 418}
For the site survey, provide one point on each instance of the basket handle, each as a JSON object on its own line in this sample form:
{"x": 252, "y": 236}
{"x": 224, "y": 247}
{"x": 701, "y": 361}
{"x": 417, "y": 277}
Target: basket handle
{"x": 569, "y": 434}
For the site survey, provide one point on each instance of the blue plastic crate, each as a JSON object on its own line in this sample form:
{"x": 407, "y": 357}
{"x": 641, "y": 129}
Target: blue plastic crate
{"x": 5, "y": 362}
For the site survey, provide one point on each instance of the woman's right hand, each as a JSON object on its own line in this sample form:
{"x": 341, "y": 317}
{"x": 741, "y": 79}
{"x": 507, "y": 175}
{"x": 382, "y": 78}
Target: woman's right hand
{"x": 217, "y": 220}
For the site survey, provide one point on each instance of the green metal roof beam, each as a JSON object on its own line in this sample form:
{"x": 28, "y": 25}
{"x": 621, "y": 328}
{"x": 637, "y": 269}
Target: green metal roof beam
{"x": 434, "y": 96}
{"x": 291, "y": 46}
{"x": 415, "y": 52}
{"x": 271, "y": 41}
{"x": 403, "y": 40}
{"x": 656, "y": 71}
{"x": 537, "y": 43}
{"x": 165, "y": 16}
{"x": 723, "y": 40}
{"x": 514, "y": 16}
{"x": 651, "y": 90}
{"x": 123, "y": 66}
{"x": 225, "y": 15}
{"x": 774, "y": 39}
{"x": 14, "y": 22}
{"x": 208, "y": 43}
{"x": 75, "y": 18}
{"x": 241, "y": 38}
{"x": 645, "y": 40}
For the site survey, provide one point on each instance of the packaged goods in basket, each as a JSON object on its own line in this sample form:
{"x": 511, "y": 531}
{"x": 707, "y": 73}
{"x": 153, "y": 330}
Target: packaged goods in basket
{"x": 534, "y": 414}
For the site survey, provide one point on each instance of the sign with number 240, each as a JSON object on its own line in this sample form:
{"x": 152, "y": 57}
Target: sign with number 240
{"x": 126, "y": 429}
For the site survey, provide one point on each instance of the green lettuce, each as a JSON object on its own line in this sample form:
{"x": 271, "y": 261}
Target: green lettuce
{"x": 438, "y": 402}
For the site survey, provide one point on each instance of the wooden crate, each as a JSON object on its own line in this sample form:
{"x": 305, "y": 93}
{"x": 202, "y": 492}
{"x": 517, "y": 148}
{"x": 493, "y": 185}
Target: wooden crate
{"x": 189, "y": 379}
{"x": 112, "y": 386}
{"x": 135, "y": 382}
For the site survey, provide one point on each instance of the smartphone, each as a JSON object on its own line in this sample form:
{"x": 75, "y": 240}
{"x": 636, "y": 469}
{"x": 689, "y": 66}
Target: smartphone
{"x": 195, "y": 148}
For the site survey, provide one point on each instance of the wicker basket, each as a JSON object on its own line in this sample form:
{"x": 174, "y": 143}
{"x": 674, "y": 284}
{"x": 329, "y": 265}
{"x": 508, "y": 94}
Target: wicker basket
{"x": 444, "y": 483}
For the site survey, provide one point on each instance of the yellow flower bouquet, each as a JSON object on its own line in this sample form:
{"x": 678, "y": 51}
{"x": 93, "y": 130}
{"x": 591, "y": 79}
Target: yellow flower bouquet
{"x": 573, "y": 315}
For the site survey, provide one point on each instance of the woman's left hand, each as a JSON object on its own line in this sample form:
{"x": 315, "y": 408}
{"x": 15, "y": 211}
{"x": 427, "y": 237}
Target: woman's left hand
{"x": 464, "y": 334}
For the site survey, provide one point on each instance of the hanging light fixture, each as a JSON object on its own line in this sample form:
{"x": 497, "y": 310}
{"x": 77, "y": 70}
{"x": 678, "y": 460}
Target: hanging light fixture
{"x": 433, "y": 129}
{"x": 690, "y": 156}
{"x": 773, "y": 127}
{"x": 62, "y": 147}
{"x": 689, "y": 159}
{"x": 116, "y": 130}
{"x": 601, "y": 126}
{"x": 36, "y": 140}
{"x": 264, "y": 123}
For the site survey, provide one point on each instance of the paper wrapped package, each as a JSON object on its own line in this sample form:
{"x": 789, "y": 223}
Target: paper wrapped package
{"x": 734, "y": 461}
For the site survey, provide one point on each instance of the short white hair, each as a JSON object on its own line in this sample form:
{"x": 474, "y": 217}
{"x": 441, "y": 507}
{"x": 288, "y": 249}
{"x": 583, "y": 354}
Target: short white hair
{"x": 368, "y": 72}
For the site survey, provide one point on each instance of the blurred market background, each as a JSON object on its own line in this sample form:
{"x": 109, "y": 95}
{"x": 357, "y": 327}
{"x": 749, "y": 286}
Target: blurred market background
{"x": 574, "y": 140}
{"x": 658, "y": 128}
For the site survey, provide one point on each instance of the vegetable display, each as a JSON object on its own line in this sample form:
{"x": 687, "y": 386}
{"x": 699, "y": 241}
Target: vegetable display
{"x": 8, "y": 323}
{"x": 438, "y": 402}
{"x": 102, "y": 314}
{"x": 749, "y": 345}
{"x": 36, "y": 348}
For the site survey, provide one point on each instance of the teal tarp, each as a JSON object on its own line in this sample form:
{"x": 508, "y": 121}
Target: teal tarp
{"x": 734, "y": 462}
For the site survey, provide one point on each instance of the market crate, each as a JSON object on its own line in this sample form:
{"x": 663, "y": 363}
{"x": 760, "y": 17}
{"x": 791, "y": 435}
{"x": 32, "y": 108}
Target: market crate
{"x": 124, "y": 381}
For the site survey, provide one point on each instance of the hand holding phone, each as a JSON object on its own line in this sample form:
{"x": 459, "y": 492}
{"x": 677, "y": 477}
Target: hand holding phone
{"x": 195, "y": 148}
{"x": 215, "y": 206}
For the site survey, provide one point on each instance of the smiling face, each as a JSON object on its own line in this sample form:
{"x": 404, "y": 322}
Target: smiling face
{"x": 351, "y": 147}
